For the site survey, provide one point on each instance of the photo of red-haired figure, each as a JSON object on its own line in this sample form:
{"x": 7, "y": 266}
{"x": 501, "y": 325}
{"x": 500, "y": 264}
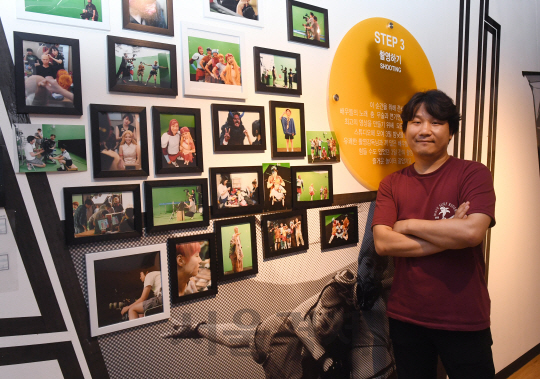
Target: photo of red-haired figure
{"x": 192, "y": 267}
{"x": 48, "y": 74}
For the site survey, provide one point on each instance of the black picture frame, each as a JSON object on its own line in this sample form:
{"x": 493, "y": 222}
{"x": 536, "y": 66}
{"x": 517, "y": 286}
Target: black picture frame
{"x": 21, "y": 81}
{"x": 224, "y": 254}
{"x": 97, "y": 124}
{"x": 268, "y": 222}
{"x": 116, "y": 85}
{"x": 251, "y": 129}
{"x": 135, "y": 189}
{"x": 173, "y": 271}
{"x": 201, "y": 201}
{"x": 132, "y": 24}
{"x": 290, "y": 29}
{"x": 237, "y": 210}
{"x": 160, "y": 163}
{"x": 282, "y": 200}
{"x": 266, "y": 87}
{"x": 280, "y": 152}
{"x": 316, "y": 171}
{"x": 350, "y": 233}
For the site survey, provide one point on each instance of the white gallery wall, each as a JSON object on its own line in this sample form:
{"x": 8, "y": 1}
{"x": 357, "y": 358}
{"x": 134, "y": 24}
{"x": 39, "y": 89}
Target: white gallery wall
{"x": 515, "y": 244}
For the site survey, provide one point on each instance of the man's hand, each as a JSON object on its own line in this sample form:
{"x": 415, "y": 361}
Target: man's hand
{"x": 124, "y": 310}
{"x": 227, "y": 135}
{"x": 461, "y": 212}
{"x": 183, "y": 330}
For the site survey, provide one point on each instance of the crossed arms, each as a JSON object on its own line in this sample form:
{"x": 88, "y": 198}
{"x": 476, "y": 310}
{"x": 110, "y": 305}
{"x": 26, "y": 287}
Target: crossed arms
{"x": 418, "y": 238}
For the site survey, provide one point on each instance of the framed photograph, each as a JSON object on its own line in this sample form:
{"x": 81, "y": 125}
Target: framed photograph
{"x": 313, "y": 186}
{"x": 307, "y": 24}
{"x": 277, "y": 71}
{"x": 287, "y": 129}
{"x": 50, "y": 148}
{"x": 322, "y": 147}
{"x": 176, "y": 204}
{"x": 47, "y": 74}
{"x": 246, "y": 12}
{"x": 177, "y": 140}
{"x": 119, "y": 143}
{"x": 192, "y": 267}
{"x": 277, "y": 186}
{"x": 138, "y": 66}
{"x": 151, "y": 16}
{"x": 236, "y": 190}
{"x": 214, "y": 62}
{"x": 339, "y": 227}
{"x": 238, "y": 127}
{"x": 127, "y": 288}
{"x": 88, "y": 14}
{"x": 284, "y": 233}
{"x": 236, "y": 247}
{"x": 102, "y": 213}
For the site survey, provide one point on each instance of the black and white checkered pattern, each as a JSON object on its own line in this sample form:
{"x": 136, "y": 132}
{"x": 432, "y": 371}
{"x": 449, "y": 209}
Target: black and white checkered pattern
{"x": 142, "y": 352}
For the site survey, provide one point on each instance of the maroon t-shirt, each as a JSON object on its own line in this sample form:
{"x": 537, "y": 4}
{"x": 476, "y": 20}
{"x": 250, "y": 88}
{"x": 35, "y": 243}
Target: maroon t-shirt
{"x": 446, "y": 290}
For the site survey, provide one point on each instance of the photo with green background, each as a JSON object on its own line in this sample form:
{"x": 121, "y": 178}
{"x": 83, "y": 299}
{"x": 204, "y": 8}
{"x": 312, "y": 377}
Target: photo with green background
{"x": 162, "y": 199}
{"x": 223, "y": 47}
{"x": 279, "y": 63}
{"x": 321, "y": 135}
{"x": 163, "y": 59}
{"x": 280, "y": 136}
{"x": 63, "y": 8}
{"x": 245, "y": 238}
{"x": 300, "y": 31}
{"x": 183, "y": 120}
{"x": 73, "y": 138}
{"x": 329, "y": 219}
{"x": 318, "y": 178}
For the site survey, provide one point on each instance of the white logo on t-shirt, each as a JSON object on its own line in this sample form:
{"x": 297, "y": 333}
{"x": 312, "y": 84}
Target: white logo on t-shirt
{"x": 444, "y": 211}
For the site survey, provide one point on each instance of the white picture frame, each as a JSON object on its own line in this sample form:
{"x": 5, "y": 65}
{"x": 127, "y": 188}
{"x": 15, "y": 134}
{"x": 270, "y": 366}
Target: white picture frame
{"x": 128, "y": 254}
{"x": 207, "y": 5}
{"x": 194, "y": 32}
{"x": 104, "y": 24}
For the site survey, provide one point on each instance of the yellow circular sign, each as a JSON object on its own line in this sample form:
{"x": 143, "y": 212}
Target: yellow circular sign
{"x": 375, "y": 71}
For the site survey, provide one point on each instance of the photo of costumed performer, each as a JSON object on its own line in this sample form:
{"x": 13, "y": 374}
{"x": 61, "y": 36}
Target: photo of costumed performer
{"x": 236, "y": 255}
{"x": 287, "y": 123}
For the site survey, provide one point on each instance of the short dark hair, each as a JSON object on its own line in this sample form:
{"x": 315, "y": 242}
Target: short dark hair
{"x": 52, "y": 135}
{"x": 88, "y": 202}
{"x": 30, "y": 139}
{"x": 129, "y": 116}
{"x": 29, "y": 49}
{"x": 437, "y": 103}
{"x": 63, "y": 146}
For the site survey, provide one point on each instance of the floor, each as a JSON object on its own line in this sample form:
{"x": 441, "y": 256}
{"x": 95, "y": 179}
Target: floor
{"x": 530, "y": 371}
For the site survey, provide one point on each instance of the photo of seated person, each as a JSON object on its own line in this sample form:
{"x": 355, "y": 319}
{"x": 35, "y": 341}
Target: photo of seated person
{"x": 70, "y": 156}
{"x": 118, "y": 136}
{"x": 129, "y": 286}
{"x": 176, "y": 204}
{"x": 129, "y": 152}
{"x": 47, "y": 80}
{"x": 151, "y": 296}
{"x": 238, "y": 191}
{"x": 31, "y": 154}
{"x": 66, "y": 163}
{"x": 103, "y": 214}
{"x": 193, "y": 267}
